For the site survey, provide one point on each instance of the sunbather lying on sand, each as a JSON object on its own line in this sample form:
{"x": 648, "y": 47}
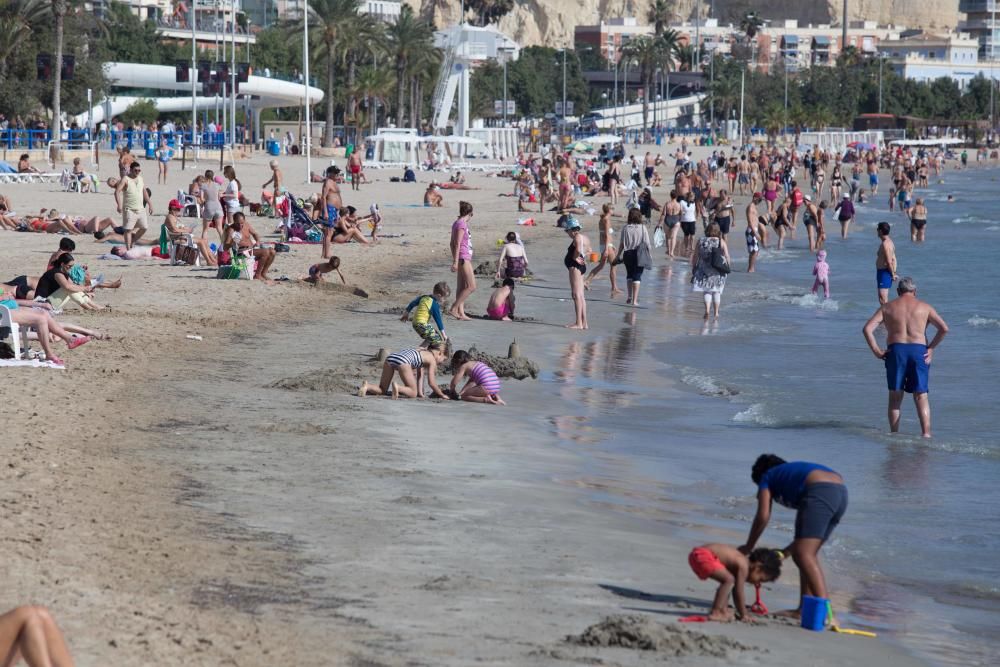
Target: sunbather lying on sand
{"x": 24, "y": 313}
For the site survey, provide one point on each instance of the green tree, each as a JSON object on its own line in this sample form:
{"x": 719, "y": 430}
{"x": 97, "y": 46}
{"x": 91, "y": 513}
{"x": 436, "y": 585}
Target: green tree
{"x": 750, "y": 25}
{"x": 660, "y": 14}
{"x": 128, "y": 39}
{"x": 489, "y": 11}
{"x": 330, "y": 22}
{"x": 651, "y": 53}
{"x": 140, "y": 111}
{"x": 373, "y": 86}
{"x": 276, "y": 52}
{"x": 407, "y": 38}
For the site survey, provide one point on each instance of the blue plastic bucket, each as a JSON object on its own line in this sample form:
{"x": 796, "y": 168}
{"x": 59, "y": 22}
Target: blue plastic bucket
{"x": 814, "y": 612}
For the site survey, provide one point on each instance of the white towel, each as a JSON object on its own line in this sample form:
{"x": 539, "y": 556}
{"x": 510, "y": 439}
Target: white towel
{"x": 31, "y": 363}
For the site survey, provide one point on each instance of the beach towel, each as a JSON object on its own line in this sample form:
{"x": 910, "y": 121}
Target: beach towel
{"x": 30, "y": 363}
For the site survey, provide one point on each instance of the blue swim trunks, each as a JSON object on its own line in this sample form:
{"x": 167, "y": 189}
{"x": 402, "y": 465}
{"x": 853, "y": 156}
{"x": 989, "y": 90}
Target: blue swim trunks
{"x": 873, "y": 180}
{"x": 905, "y": 367}
{"x": 883, "y": 277}
{"x": 332, "y": 215}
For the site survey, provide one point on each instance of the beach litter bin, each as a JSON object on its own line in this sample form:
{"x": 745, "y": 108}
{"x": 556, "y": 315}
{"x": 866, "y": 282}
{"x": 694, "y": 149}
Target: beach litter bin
{"x": 273, "y": 147}
{"x": 150, "y": 148}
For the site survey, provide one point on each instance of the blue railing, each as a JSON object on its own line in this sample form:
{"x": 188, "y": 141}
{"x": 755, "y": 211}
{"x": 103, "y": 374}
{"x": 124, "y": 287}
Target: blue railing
{"x": 134, "y": 140}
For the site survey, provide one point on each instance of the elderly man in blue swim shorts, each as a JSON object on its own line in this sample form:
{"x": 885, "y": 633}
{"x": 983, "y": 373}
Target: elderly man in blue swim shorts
{"x": 907, "y": 355}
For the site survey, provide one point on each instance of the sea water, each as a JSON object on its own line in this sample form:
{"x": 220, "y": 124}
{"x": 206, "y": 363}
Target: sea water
{"x": 789, "y": 372}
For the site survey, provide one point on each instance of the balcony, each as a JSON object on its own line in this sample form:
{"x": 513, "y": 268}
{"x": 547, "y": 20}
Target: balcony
{"x": 977, "y": 6}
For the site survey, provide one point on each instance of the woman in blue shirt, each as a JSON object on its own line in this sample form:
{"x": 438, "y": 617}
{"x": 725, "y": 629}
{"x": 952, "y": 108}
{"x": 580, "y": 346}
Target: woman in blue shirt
{"x": 818, "y": 496}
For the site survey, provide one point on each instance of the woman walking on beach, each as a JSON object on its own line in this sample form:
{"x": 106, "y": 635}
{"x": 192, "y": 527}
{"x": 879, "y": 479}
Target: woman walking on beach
{"x": 608, "y": 252}
{"x": 706, "y": 274}
{"x": 211, "y": 206}
{"x": 461, "y": 264}
{"x": 578, "y": 248}
{"x": 635, "y": 253}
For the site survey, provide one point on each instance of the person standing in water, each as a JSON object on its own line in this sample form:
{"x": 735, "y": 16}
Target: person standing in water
{"x": 885, "y": 262}
{"x": 578, "y": 248}
{"x": 907, "y": 355}
{"x": 918, "y": 221}
{"x": 608, "y": 252}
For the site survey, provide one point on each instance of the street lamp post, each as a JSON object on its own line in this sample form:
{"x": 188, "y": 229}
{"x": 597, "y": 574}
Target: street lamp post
{"x": 881, "y": 59}
{"x": 564, "y": 94}
{"x": 305, "y": 87}
{"x": 505, "y": 90}
{"x": 785, "y": 120}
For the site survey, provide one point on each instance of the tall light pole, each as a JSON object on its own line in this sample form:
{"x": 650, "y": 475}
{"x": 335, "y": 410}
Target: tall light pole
{"x": 785, "y": 121}
{"x": 505, "y": 90}
{"x": 232, "y": 77}
{"x": 194, "y": 75}
{"x": 564, "y": 94}
{"x": 843, "y": 29}
{"x": 305, "y": 86}
{"x": 993, "y": 27}
{"x": 743, "y": 77}
{"x": 881, "y": 59}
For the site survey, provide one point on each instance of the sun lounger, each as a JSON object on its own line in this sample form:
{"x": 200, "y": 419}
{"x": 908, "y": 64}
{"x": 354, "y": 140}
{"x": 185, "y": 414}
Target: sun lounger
{"x": 18, "y": 335}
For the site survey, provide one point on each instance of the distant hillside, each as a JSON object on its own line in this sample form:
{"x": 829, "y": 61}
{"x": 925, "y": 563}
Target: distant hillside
{"x": 551, "y": 22}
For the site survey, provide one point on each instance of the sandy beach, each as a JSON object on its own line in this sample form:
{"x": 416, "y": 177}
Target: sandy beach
{"x": 229, "y": 501}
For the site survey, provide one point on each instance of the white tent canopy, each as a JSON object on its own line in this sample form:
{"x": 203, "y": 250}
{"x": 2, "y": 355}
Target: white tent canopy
{"x": 944, "y": 141}
{"x": 602, "y": 139}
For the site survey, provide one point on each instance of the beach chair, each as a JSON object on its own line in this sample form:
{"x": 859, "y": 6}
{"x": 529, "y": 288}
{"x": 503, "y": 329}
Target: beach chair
{"x": 18, "y": 335}
{"x": 189, "y": 202}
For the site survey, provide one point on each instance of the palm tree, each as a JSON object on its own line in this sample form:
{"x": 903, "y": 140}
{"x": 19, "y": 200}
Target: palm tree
{"x": 725, "y": 95}
{"x": 408, "y": 37}
{"x": 424, "y": 71}
{"x": 751, "y": 24}
{"x": 687, "y": 54}
{"x": 373, "y": 85}
{"x": 652, "y": 53}
{"x": 367, "y": 40}
{"x": 16, "y": 20}
{"x": 773, "y": 121}
{"x": 659, "y": 15}
{"x": 331, "y": 22}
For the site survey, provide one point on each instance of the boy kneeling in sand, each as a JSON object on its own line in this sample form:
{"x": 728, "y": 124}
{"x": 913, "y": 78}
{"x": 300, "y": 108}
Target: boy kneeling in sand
{"x": 725, "y": 564}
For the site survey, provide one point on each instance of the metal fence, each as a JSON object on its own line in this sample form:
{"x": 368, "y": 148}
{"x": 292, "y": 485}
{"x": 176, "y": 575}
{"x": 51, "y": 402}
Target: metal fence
{"x": 134, "y": 140}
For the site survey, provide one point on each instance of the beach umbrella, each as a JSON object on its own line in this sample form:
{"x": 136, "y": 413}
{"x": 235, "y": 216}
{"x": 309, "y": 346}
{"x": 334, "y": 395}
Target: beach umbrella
{"x": 861, "y": 145}
{"x": 582, "y": 147}
{"x": 602, "y": 139}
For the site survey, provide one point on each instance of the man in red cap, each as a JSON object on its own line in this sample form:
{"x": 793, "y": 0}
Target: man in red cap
{"x": 182, "y": 235}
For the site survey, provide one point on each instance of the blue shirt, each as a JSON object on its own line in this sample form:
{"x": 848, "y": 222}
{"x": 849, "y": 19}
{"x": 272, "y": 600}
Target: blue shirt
{"x": 787, "y": 482}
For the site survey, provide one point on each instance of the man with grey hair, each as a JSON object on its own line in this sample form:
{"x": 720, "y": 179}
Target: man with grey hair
{"x": 907, "y": 355}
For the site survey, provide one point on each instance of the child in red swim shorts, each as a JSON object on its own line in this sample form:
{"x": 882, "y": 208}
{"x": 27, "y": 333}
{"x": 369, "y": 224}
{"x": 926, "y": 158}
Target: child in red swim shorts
{"x": 727, "y": 565}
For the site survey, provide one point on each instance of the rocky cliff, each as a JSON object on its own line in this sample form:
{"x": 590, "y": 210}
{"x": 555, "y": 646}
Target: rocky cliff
{"x": 551, "y": 22}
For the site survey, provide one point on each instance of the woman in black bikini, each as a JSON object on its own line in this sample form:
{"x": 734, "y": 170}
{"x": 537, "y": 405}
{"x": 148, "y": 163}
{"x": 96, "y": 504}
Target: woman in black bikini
{"x": 577, "y": 267}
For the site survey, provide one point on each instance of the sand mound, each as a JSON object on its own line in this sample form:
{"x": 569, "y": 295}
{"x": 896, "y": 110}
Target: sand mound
{"x": 335, "y": 380}
{"x": 645, "y": 634}
{"x": 519, "y": 369}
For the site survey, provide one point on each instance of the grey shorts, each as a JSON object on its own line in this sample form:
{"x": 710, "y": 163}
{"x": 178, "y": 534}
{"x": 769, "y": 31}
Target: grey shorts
{"x": 820, "y": 510}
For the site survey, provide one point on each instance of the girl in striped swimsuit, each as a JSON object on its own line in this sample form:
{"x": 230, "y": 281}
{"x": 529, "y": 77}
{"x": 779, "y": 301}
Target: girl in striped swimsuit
{"x": 413, "y": 366}
{"x": 482, "y": 385}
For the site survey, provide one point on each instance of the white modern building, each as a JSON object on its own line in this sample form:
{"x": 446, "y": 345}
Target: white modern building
{"x": 478, "y": 44}
{"x": 384, "y": 10}
{"x": 925, "y": 57}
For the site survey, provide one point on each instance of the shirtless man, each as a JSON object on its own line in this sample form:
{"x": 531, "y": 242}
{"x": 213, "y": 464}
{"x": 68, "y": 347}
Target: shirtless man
{"x": 566, "y": 186}
{"x": 276, "y": 180}
{"x": 753, "y": 218}
{"x": 333, "y": 202}
{"x": 354, "y": 166}
{"x": 885, "y": 262}
{"x": 907, "y": 355}
{"x": 649, "y": 163}
{"x": 432, "y": 197}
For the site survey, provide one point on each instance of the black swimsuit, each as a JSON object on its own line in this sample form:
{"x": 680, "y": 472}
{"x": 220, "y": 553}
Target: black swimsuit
{"x": 570, "y": 260}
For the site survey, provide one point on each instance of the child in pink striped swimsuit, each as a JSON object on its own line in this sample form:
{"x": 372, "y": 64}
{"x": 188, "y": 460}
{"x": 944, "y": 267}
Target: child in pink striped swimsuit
{"x": 482, "y": 385}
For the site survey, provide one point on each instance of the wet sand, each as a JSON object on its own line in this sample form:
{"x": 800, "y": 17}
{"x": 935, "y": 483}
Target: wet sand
{"x": 183, "y": 502}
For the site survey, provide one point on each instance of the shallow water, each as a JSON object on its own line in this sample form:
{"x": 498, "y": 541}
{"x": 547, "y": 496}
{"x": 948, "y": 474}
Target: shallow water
{"x": 788, "y": 372}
